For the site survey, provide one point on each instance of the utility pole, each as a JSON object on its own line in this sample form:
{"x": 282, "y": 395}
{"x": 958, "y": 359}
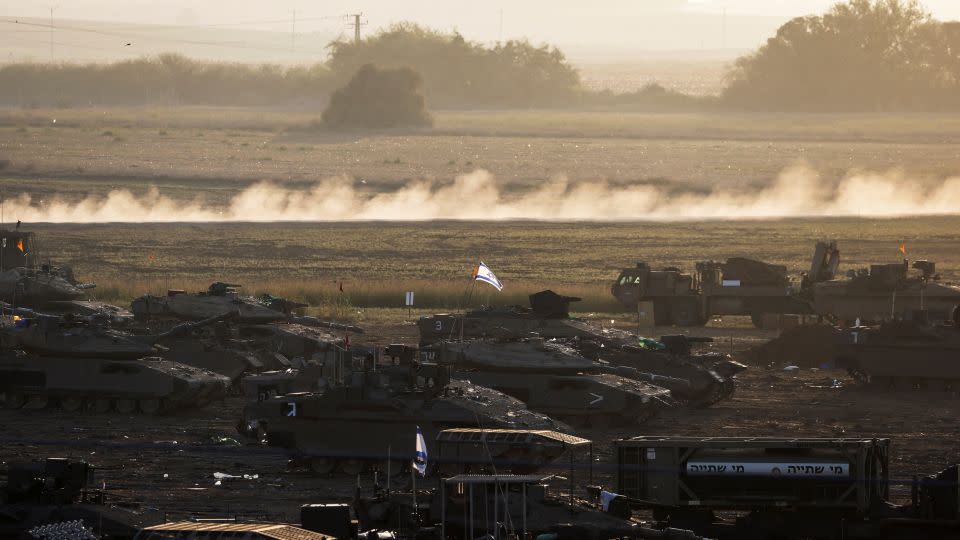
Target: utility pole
{"x": 723, "y": 31}
{"x": 51, "y": 31}
{"x": 356, "y": 26}
{"x": 500, "y": 32}
{"x": 293, "y": 33}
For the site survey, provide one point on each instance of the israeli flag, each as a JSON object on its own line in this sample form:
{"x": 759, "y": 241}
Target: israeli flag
{"x": 420, "y": 458}
{"x": 482, "y": 273}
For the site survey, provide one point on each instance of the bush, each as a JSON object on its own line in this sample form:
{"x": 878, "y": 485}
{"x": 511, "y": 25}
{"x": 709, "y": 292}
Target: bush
{"x": 378, "y": 98}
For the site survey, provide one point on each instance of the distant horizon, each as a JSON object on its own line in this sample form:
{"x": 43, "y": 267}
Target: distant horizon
{"x": 295, "y": 31}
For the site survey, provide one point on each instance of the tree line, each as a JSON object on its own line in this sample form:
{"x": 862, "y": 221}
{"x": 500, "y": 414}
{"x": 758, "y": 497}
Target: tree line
{"x": 861, "y": 55}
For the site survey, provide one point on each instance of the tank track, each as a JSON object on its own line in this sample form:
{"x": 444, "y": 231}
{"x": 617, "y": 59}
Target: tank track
{"x": 83, "y": 404}
{"x": 905, "y": 384}
{"x": 715, "y": 393}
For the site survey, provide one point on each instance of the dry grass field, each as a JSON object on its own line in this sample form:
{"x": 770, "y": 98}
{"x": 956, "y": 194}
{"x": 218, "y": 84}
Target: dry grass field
{"x": 215, "y": 153}
{"x": 377, "y": 261}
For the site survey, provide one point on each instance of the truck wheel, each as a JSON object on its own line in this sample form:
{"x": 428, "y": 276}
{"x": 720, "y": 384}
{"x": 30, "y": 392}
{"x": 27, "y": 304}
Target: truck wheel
{"x": 662, "y": 315}
{"x": 686, "y": 316}
{"x": 757, "y": 320}
{"x": 686, "y": 312}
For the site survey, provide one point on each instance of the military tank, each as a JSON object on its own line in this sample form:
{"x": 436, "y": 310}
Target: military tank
{"x": 237, "y": 350}
{"x": 698, "y": 379}
{"x": 904, "y": 355}
{"x": 85, "y": 337}
{"x": 49, "y": 361}
{"x": 218, "y": 298}
{"x": 361, "y": 418}
{"x": 37, "y": 287}
{"x": 553, "y": 379}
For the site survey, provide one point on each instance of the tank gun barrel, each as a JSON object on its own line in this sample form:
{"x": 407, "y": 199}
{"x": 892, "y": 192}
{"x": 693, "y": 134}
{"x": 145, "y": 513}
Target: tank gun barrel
{"x": 313, "y": 321}
{"x": 652, "y": 378}
{"x": 186, "y": 327}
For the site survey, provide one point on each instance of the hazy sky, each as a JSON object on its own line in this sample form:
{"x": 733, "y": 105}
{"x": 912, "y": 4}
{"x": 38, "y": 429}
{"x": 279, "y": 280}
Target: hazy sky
{"x": 579, "y": 27}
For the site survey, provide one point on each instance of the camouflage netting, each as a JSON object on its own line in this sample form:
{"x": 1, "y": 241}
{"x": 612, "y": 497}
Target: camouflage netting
{"x": 804, "y": 346}
{"x": 378, "y": 98}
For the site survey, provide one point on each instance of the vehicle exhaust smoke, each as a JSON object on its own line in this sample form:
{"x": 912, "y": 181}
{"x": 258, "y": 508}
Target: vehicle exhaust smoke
{"x": 796, "y": 192}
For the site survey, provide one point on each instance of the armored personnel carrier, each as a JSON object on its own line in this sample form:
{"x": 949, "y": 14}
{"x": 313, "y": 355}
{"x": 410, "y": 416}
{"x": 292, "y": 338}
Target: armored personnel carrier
{"x": 553, "y": 379}
{"x": 358, "y": 419}
{"x": 148, "y": 385}
{"x": 904, "y": 355}
{"x": 220, "y": 297}
{"x": 76, "y": 365}
{"x": 698, "y": 379}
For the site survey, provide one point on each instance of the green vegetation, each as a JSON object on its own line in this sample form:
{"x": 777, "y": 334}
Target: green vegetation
{"x": 169, "y": 79}
{"x": 862, "y": 55}
{"x": 458, "y": 73}
{"x": 378, "y": 98}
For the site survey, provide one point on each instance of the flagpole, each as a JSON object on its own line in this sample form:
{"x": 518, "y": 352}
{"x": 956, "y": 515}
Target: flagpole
{"x": 413, "y": 475}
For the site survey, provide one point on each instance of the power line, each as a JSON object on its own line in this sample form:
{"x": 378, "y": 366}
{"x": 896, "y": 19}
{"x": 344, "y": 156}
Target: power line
{"x": 128, "y": 35}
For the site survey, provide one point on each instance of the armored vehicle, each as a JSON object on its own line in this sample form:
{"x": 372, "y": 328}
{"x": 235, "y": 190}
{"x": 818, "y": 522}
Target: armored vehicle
{"x": 739, "y": 286}
{"x": 15, "y": 248}
{"x": 149, "y": 385}
{"x": 35, "y": 288}
{"x": 236, "y": 350}
{"x": 885, "y": 291}
{"x": 553, "y": 379}
{"x": 903, "y": 355}
{"x": 57, "y": 498}
{"x": 78, "y": 363}
{"x": 85, "y": 337}
{"x": 548, "y": 316}
{"x": 357, "y": 419}
{"x": 219, "y": 298}
{"x": 696, "y": 378}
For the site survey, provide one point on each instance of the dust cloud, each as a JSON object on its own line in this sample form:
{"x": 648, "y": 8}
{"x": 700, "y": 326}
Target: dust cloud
{"x": 796, "y": 192}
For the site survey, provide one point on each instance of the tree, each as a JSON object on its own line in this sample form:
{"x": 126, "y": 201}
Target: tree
{"x": 457, "y": 72}
{"x": 376, "y": 98}
{"x": 860, "y": 55}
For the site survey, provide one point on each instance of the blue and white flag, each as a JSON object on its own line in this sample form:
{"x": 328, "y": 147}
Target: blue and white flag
{"x": 484, "y": 274}
{"x": 607, "y": 497}
{"x": 420, "y": 458}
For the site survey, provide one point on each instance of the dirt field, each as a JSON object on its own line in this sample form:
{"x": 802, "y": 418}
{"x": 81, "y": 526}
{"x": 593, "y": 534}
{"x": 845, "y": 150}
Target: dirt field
{"x": 133, "y": 454}
{"x": 211, "y": 152}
